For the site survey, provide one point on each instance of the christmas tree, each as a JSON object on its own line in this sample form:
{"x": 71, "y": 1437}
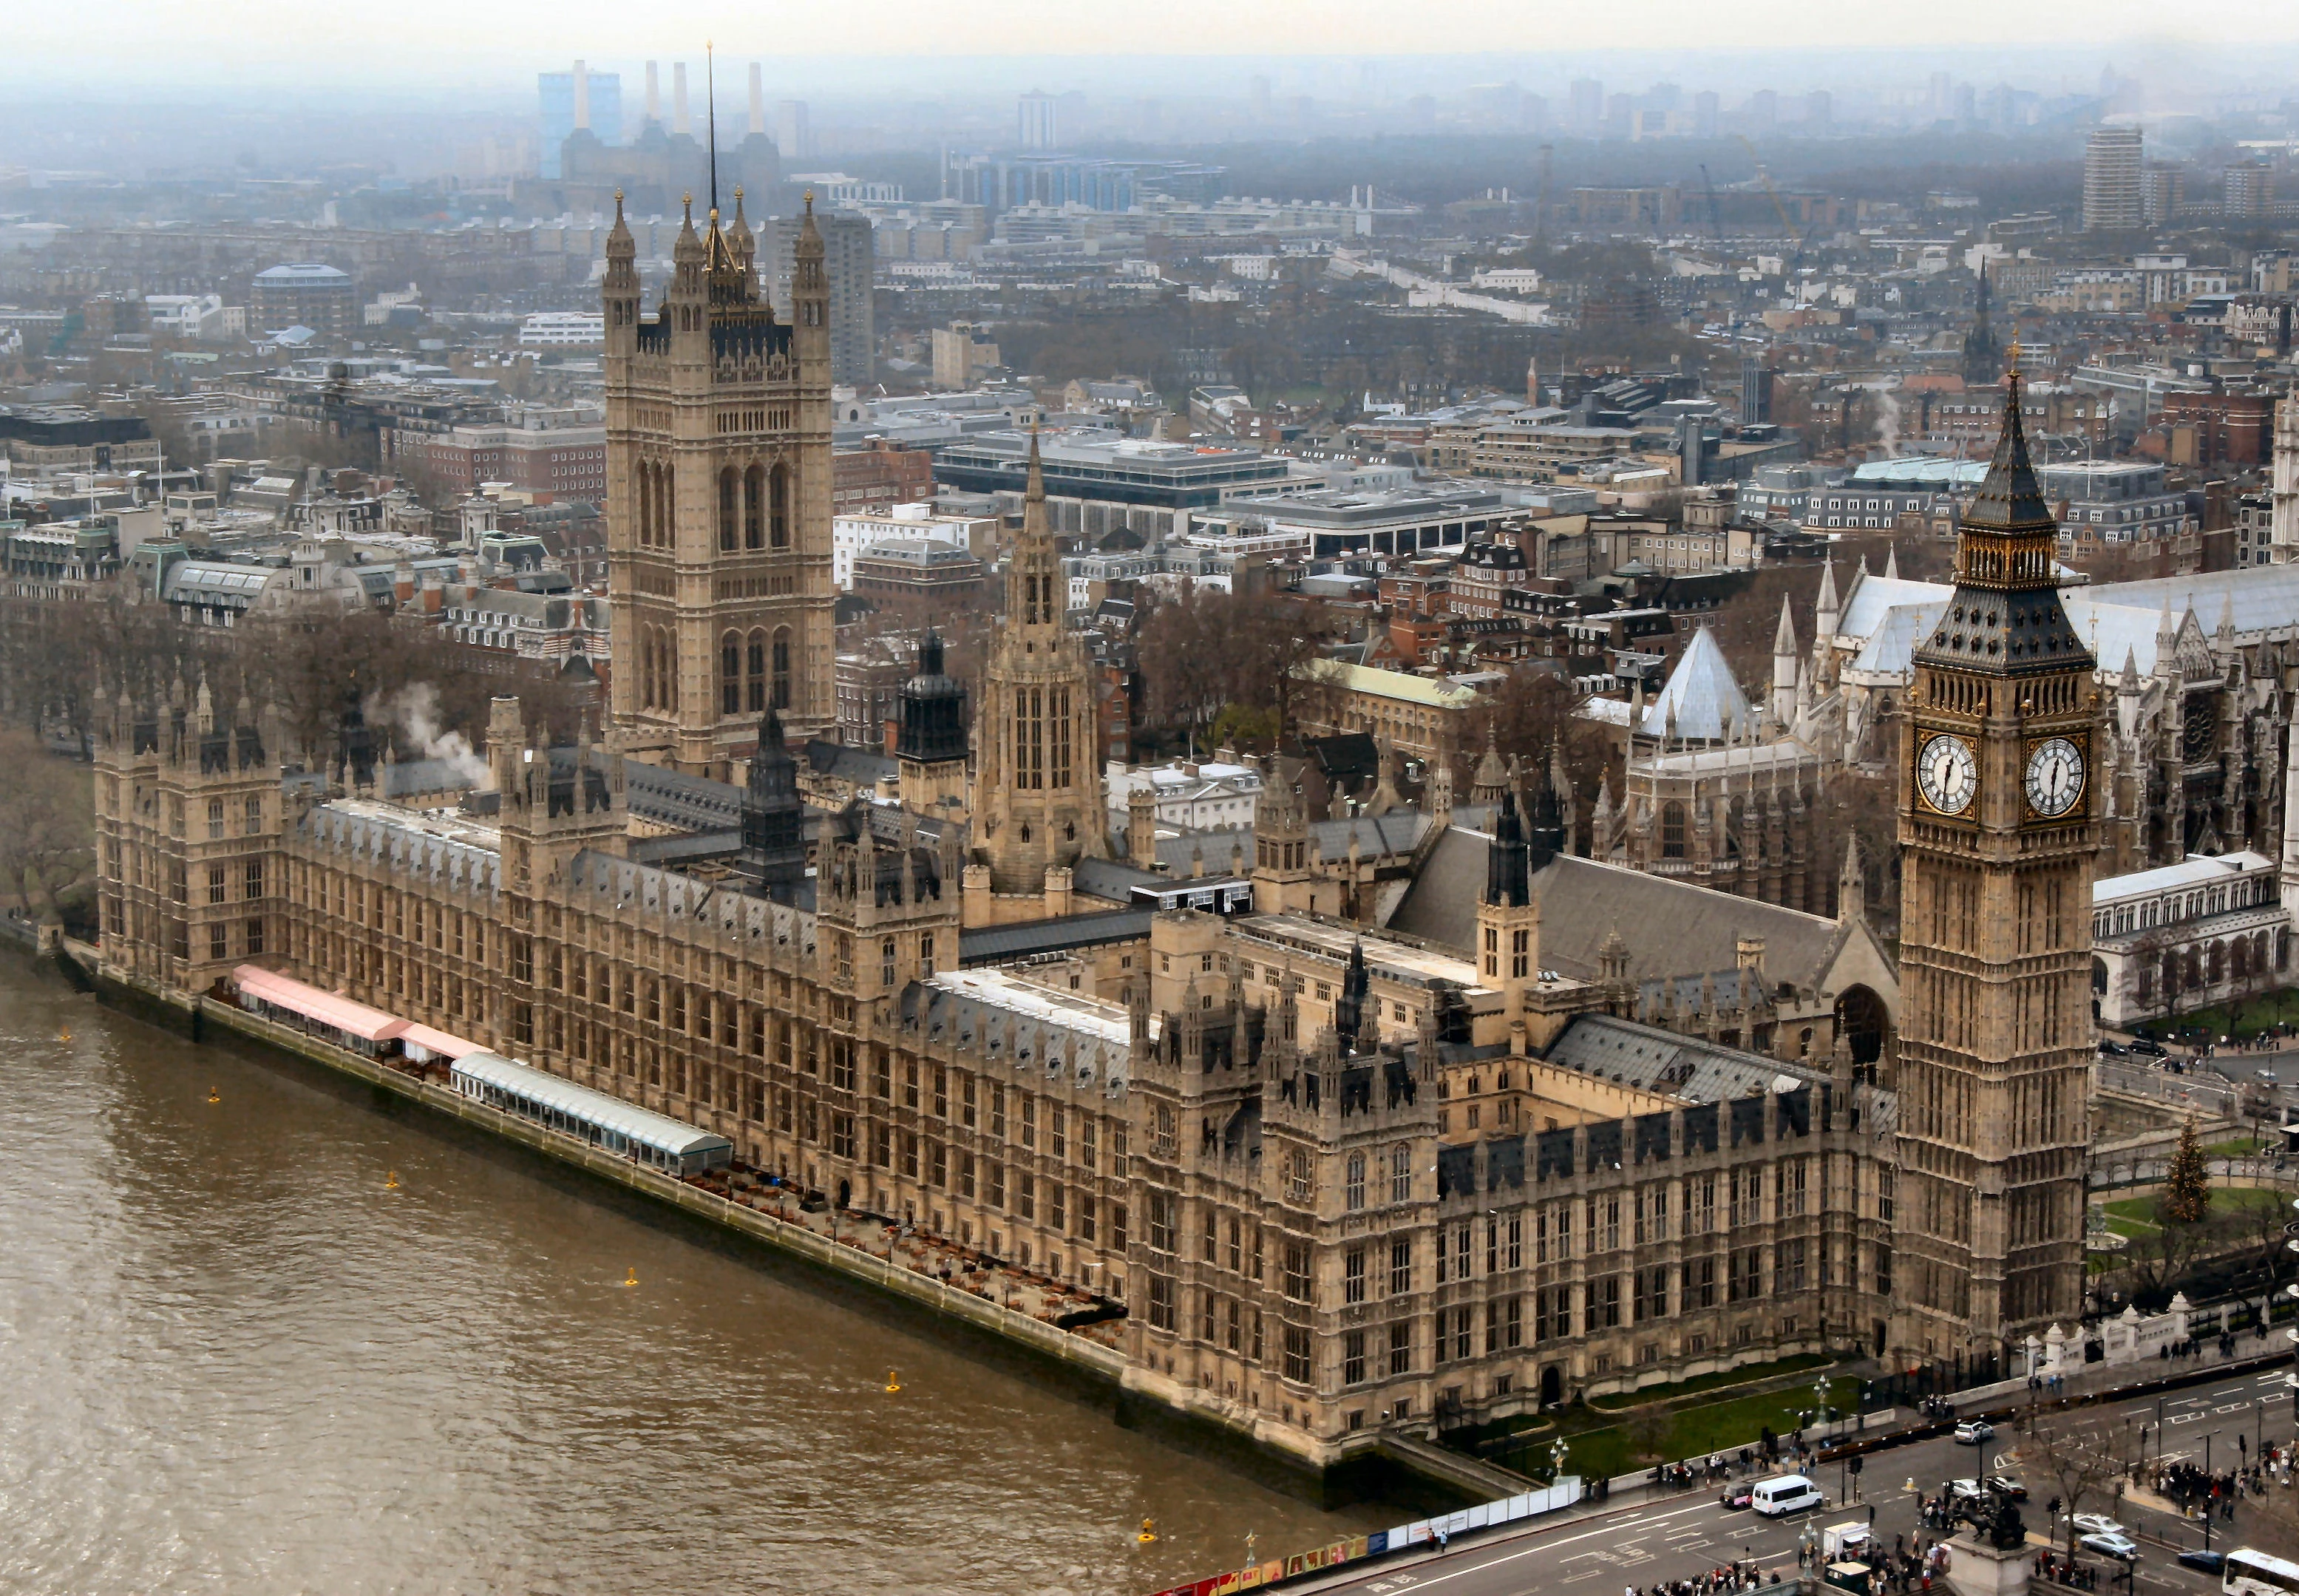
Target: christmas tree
{"x": 2187, "y": 1194}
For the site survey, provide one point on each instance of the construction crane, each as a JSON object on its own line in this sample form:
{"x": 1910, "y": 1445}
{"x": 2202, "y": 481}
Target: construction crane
{"x": 1788, "y": 227}
{"x": 1715, "y": 214}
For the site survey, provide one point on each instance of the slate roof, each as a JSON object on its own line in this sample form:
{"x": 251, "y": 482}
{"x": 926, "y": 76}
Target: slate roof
{"x": 1671, "y": 927}
{"x": 861, "y": 767}
{"x": 995, "y": 944}
{"x": 1685, "y": 1067}
{"x": 675, "y": 798}
{"x": 1114, "y": 880}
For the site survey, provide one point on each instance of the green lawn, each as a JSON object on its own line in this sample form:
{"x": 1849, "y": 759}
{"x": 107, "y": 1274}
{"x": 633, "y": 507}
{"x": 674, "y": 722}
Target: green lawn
{"x": 2139, "y": 1212}
{"x": 2236, "y": 1147}
{"x": 2246, "y": 1019}
{"x": 1602, "y": 1447}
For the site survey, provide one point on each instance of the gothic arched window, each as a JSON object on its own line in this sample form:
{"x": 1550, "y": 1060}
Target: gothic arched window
{"x": 730, "y": 509}
{"x": 730, "y": 675}
{"x": 1671, "y": 830}
{"x": 778, "y": 493}
{"x": 782, "y": 678}
{"x": 1354, "y": 1186}
{"x": 757, "y": 675}
{"x": 754, "y": 508}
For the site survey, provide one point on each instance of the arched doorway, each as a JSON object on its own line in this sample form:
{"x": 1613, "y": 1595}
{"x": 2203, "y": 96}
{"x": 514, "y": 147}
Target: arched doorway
{"x": 1862, "y": 1021}
{"x": 1552, "y": 1385}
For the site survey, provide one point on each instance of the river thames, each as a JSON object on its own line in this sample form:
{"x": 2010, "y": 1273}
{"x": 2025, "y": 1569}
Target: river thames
{"x": 234, "y": 1359}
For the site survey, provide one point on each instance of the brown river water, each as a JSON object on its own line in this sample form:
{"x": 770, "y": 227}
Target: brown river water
{"x": 233, "y": 1359}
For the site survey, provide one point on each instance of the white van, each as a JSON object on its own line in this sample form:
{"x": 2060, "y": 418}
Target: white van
{"x": 1790, "y": 1493}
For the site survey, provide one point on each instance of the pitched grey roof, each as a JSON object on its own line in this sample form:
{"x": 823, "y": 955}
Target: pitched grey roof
{"x": 675, "y": 798}
{"x": 1685, "y": 1067}
{"x": 861, "y": 767}
{"x": 1115, "y": 880}
{"x": 1671, "y": 927}
{"x": 995, "y": 944}
{"x": 1708, "y": 703}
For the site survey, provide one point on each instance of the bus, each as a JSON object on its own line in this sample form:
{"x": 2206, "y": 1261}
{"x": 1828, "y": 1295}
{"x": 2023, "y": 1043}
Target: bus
{"x": 2250, "y": 1572}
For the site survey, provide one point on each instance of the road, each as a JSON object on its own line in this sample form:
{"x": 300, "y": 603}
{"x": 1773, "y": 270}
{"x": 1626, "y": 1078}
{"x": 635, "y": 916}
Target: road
{"x": 1677, "y": 1537}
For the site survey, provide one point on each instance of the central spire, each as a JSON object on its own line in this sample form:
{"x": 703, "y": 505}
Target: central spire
{"x": 710, "y": 117}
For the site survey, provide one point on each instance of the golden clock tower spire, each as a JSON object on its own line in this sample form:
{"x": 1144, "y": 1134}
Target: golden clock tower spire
{"x": 1998, "y": 830}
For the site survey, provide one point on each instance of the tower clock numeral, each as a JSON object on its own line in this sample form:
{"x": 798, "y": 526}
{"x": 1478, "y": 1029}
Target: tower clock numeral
{"x": 2055, "y": 777}
{"x": 1947, "y": 773}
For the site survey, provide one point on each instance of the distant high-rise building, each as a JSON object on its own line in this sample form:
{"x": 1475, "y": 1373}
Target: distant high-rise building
{"x": 2163, "y": 190}
{"x": 1763, "y": 111}
{"x": 2113, "y": 166}
{"x": 1588, "y": 106}
{"x": 792, "y": 135}
{"x": 583, "y": 99}
{"x": 1038, "y": 120}
{"x": 2250, "y": 188}
{"x": 850, "y": 263}
{"x": 1257, "y": 93}
{"x": 1620, "y": 116}
{"x": 1940, "y": 101}
{"x": 1704, "y": 114}
{"x": 1819, "y": 111}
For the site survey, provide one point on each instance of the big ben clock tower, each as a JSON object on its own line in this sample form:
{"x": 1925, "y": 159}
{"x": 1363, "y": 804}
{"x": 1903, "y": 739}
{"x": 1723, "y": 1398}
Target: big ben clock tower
{"x": 1997, "y": 832}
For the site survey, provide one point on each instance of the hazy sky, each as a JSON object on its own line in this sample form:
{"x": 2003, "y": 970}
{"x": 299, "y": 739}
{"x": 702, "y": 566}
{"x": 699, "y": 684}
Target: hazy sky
{"x": 219, "y": 41}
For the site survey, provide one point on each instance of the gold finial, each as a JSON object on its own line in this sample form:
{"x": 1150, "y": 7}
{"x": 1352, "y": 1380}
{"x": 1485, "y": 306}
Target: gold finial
{"x": 2013, "y": 353}
{"x": 618, "y": 196}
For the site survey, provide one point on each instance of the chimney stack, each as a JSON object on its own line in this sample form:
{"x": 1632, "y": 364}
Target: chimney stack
{"x": 681, "y": 124}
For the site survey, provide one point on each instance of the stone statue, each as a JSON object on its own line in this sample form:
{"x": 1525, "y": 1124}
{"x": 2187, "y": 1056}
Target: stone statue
{"x": 1994, "y": 1517}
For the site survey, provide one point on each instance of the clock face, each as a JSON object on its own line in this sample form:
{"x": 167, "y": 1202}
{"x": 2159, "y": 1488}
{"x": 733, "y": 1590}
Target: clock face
{"x": 2055, "y": 777}
{"x": 1946, "y": 774}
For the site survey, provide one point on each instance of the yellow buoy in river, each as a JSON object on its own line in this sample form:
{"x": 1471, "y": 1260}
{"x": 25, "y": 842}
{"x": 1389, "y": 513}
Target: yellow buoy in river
{"x": 633, "y": 1278}
{"x": 893, "y": 1381}
{"x": 1149, "y": 1533}
{"x": 214, "y": 1095}
{"x": 391, "y": 1181}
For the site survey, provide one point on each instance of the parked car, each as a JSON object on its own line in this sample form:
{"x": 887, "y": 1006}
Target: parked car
{"x": 1737, "y": 1494}
{"x": 2097, "y": 1523}
{"x": 1971, "y": 1431}
{"x": 2121, "y": 1549}
{"x": 2206, "y": 1562}
{"x": 2112, "y": 1050}
{"x": 1963, "y": 1490}
{"x": 2004, "y": 1484}
{"x": 2148, "y": 1045}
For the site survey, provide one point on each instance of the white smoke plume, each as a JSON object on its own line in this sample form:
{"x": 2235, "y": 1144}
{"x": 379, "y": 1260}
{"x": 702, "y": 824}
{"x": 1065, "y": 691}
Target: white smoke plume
{"x": 1887, "y": 417}
{"x": 415, "y": 710}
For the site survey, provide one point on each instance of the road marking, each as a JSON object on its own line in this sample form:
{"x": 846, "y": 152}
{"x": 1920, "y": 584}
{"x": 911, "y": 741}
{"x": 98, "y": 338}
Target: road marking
{"x": 2229, "y": 1389}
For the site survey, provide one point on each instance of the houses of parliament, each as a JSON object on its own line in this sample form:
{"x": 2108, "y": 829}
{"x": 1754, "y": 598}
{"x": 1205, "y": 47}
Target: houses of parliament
{"x": 1551, "y": 1129}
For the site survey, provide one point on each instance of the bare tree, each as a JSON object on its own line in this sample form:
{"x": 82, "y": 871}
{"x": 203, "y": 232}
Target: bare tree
{"x": 47, "y": 844}
{"x": 2076, "y": 1468}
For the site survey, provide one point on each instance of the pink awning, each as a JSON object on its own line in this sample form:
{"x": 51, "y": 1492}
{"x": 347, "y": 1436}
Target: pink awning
{"x": 439, "y": 1043}
{"x": 356, "y": 1019}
